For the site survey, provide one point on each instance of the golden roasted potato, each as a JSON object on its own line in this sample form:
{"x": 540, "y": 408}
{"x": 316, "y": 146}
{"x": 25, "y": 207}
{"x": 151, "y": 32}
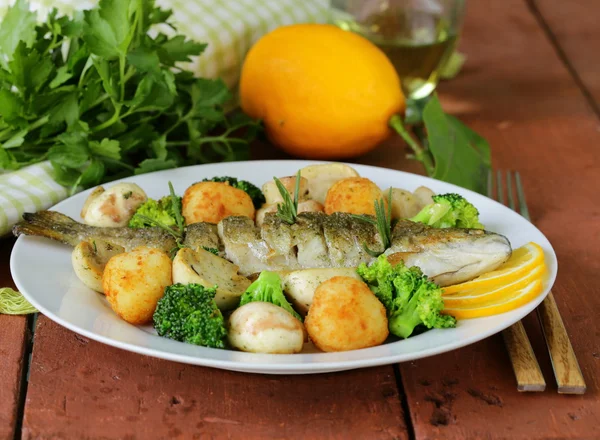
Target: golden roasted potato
{"x": 300, "y": 285}
{"x": 322, "y": 176}
{"x": 346, "y": 315}
{"x": 272, "y": 194}
{"x": 213, "y": 201}
{"x": 133, "y": 283}
{"x": 89, "y": 260}
{"x": 404, "y": 203}
{"x": 207, "y": 269}
{"x": 355, "y": 195}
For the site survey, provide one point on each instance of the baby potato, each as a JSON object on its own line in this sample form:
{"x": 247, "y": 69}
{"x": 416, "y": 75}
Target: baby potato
{"x": 207, "y": 269}
{"x": 113, "y": 207}
{"x": 89, "y": 260}
{"x": 355, "y": 195}
{"x": 346, "y": 315}
{"x": 213, "y": 201}
{"x": 133, "y": 283}
{"x": 404, "y": 203}
{"x": 262, "y": 327}
{"x": 322, "y": 176}
{"x": 300, "y": 285}
{"x": 272, "y": 194}
{"x": 423, "y": 196}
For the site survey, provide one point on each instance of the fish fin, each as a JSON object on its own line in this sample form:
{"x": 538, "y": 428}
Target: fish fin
{"x": 49, "y": 224}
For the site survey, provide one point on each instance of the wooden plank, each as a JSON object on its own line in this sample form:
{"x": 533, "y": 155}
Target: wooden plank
{"x": 13, "y": 337}
{"x": 574, "y": 28}
{"x": 82, "y": 389}
{"x": 515, "y": 91}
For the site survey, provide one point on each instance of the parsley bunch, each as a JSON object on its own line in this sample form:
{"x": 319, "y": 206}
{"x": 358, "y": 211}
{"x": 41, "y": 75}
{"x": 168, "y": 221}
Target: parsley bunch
{"x": 102, "y": 99}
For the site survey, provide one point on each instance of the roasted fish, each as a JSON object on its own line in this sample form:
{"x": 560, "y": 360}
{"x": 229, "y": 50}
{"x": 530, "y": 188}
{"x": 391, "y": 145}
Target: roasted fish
{"x": 316, "y": 240}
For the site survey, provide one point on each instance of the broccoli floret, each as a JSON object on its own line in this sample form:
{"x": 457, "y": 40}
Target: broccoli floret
{"x": 162, "y": 211}
{"x": 449, "y": 211}
{"x": 211, "y": 250}
{"x": 267, "y": 288}
{"x": 409, "y": 297}
{"x": 188, "y": 313}
{"x": 252, "y": 190}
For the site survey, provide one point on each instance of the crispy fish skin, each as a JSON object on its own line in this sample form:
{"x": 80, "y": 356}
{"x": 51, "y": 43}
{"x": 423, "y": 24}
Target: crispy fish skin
{"x": 448, "y": 256}
{"x": 59, "y": 227}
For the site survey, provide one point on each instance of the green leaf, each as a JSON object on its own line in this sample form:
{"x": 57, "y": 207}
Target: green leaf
{"x": 66, "y": 110}
{"x": 152, "y": 94}
{"x": 70, "y": 156}
{"x": 178, "y": 49}
{"x": 65, "y": 176}
{"x": 17, "y": 25}
{"x": 92, "y": 175}
{"x": 475, "y": 140}
{"x": 144, "y": 59}
{"x": 149, "y": 165}
{"x": 7, "y": 160}
{"x": 116, "y": 14}
{"x": 62, "y": 75}
{"x": 11, "y": 106}
{"x": 107, "y": 148}
{"x": 209, "y": 92}
{"x": 109, "y": 77}
{"x": 29, "y": 70}
{"x": 99, "y": 36}
{"x": 16, "y": 140}
{"x": 460, "y": 158}
{"x": 159, "y": 146}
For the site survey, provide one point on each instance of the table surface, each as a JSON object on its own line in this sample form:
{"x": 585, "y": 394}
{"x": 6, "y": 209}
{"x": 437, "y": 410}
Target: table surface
{"x": 531, "y": 86}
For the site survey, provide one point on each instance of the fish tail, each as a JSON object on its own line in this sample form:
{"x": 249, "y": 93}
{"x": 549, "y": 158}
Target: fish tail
{"x": 50, "y": 224}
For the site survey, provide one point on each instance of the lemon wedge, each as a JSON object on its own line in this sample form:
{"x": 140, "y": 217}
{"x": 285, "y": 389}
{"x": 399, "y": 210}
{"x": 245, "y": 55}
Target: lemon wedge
{"x": 504, "y": 304}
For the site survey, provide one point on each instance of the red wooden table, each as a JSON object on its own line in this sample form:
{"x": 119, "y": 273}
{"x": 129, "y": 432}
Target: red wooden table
{"x": 531, "y": 86}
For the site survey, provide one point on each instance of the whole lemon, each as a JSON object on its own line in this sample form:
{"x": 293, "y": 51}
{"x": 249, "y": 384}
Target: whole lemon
{"x": 322, "y": 92}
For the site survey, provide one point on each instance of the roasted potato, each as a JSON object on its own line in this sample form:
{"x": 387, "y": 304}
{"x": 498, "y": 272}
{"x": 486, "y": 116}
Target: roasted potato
{"x": 321, "y": 177}
{"x": 133, "y": 283}
{"x": 262, "y": 327}
{"x": 300, "y": 285}
{"x": 207, "y": 269}
{"x": 213, "y": 201}
{"x": 89, "y": 260}
{"x": 272, "y": 194}
{"x": 113, "y": 207}
{"x": 404, "y": 203}
{"x": 346, "y": 315}
{"x": 355, "y": 195}
{"x": 304, "y": 206}
{"x": 423, "y": 196}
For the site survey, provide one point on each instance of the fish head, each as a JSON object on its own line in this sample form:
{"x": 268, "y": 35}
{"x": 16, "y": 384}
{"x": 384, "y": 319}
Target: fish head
{"x": 452, "y": 256}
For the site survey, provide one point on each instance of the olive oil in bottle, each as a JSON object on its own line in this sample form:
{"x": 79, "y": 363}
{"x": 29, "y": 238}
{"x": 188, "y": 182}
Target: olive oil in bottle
{"x": 417, "y": 43}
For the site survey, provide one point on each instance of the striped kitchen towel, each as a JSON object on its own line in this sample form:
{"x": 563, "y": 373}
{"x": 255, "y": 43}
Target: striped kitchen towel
{"x": 230, "y": 27}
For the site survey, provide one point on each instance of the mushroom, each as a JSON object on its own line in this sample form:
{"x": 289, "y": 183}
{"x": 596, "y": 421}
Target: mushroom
{"x": 262, "y": 327}
{"x": 205, "y": 268}
{"x": 321, "y": 177}
{"x": 89, "y": 259}
{"x": 272, "y": 194}
{"x": 113, "y": 207}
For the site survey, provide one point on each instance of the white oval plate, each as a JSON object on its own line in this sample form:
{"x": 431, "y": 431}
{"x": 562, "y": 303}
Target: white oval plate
{"x": 42, "y": 272}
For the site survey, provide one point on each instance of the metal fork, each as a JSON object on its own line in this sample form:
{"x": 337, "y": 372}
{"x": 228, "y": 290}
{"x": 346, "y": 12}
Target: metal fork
{"x": 564, "y": 363}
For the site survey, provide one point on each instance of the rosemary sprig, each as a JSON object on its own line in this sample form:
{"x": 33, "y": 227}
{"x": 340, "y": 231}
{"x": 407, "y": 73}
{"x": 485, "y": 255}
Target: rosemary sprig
{"x": 177, "y": 208}
{"x": 288, "y": 210}
{"x": 383, "y": 223}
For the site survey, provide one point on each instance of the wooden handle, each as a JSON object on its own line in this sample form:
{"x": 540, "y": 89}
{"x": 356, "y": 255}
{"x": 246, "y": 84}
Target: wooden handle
{"x": 525, "y": 365}
{"x": 566, "y": 368}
